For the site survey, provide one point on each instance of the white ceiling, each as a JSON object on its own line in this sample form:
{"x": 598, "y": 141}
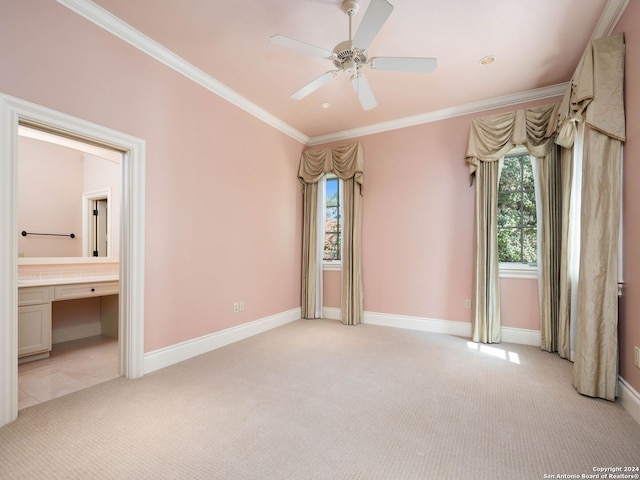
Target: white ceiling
{"x": 225, "y": 45}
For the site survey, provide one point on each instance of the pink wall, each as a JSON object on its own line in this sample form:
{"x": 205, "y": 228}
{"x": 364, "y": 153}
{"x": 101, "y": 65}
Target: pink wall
{"x": 519, "y": 303}
{"x": 417, "y": 238}
{"x": 223, "y": 204}
{"x": 417, "y": 242}
{"x": 629, "y": 327}
{"x": 331, "y": 296}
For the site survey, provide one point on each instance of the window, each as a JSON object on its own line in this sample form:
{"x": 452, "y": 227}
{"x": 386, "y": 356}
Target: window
{"x": 332, "y": 220}
{"x": 517, "y": 227}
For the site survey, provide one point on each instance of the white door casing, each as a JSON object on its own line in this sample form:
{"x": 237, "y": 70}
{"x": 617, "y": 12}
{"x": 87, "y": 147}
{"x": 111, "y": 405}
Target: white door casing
{"x": 131, "y": 310}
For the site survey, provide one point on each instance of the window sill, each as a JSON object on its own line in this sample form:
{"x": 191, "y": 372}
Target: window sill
{"x": 518, "y": 270}
{"x": 332, "y": 266}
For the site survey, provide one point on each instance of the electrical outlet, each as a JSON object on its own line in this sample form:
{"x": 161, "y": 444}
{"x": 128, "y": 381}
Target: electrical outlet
{"x": 636, "y": 356}
{"x": 236, "y": 307}
{"x": 467, "y": 303}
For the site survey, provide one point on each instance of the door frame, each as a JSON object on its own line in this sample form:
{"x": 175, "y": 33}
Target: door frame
{"x": 14, "y": 111}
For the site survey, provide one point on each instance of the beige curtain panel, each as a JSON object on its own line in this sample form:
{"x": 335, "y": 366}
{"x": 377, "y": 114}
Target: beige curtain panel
{"x": 485, "y": 320}
{"x": 347, "y": 163}
{"x": 554, "y": 175}
{"x": 310, "y": 247}
{"x": 595, "y": 98}
{"x": 553, "y": 279}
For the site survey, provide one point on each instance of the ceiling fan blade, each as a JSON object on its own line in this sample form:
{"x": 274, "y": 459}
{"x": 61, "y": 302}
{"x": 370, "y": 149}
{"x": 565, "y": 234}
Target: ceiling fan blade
{"x": 404, "y": 64}
{"x": 363, "y": 90}
{"x": 375, "y": 16}
{"x": 314, "y": 84}
{"x": 300, "y": 46}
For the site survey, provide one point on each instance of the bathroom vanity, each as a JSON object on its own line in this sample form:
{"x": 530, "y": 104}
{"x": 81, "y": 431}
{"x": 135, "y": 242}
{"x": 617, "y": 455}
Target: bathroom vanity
{"x": 36, "y": 293}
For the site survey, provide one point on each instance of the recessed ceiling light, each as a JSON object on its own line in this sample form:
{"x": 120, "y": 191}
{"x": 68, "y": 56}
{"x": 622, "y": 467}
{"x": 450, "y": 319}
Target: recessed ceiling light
{"x": 325, "y": 105}
{"x": 488, "y": 60}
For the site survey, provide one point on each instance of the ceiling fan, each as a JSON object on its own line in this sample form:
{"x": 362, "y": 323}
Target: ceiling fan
{"x": 351, "y": 55}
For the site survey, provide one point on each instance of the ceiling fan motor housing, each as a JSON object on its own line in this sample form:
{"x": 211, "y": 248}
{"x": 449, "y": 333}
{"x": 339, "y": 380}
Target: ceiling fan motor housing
{"x": 349, "y": 58}
{"x": 350, "y": 7}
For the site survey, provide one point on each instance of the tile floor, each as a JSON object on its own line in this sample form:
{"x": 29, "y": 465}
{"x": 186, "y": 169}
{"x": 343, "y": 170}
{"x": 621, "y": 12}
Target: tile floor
{"x": 71, "y": 366}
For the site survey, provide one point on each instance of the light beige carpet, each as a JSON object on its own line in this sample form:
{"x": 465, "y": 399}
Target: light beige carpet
{"x": 319, "y": 400}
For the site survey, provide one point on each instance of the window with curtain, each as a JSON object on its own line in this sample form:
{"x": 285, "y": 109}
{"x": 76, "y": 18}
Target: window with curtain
{"x": 516, "y": 215}
{"x": 332, "y": 221}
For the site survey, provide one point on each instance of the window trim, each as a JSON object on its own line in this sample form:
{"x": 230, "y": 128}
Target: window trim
{"x": 518, "y": 270}
{"x": 332, "y": 265}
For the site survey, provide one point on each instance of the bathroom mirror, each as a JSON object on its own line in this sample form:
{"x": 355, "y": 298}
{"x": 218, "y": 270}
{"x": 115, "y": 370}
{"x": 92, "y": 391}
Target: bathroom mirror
{"x": 68, "y": 199}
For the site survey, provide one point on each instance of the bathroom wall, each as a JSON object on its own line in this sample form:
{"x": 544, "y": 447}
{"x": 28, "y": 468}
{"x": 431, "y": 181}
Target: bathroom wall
{"x": 100, "y": 174}
{"x": 50, "y": 179}
{"x": 51, "y": 182}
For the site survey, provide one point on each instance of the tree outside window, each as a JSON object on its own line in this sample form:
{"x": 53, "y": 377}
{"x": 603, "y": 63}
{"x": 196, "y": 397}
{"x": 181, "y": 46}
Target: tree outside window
{"x": 517, "y": 235}
{"x": 332, "y": 221}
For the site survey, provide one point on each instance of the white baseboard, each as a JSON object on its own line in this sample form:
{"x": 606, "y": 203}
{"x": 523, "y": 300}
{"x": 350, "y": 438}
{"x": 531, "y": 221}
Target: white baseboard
{"x": 191, "y": 348}
{"x": 629, "y": 399}
{"x": 332, "y": 313}
{"x": 75, "y": 332}
{"x": 522, "y": 336}
{"x": 432, "y": 325}
{"x": 460, "y": 329}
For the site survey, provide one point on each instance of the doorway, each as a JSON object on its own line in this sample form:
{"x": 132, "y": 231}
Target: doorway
{"x": 96, "y": 224}
{"x": 65, "y": 184}
{"x": 98, "y": 238}
{"x": 13, "y": 112}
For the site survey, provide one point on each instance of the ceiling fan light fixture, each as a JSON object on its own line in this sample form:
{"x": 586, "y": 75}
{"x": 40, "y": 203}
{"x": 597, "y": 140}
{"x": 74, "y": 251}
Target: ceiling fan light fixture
{"x": 488, "y": 60}
{"x": 350, "y": 67}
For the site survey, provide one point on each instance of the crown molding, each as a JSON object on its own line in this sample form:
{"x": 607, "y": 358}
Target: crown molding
{"x": 445, "y": 113}
{"x": 101, "y": 17}
{"x": 609, "y": 18}
{"x": 126, "y": 32}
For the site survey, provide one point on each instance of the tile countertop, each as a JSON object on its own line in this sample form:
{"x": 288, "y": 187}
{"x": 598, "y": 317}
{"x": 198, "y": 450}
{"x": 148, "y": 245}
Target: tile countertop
{"x": 40, "y": 280}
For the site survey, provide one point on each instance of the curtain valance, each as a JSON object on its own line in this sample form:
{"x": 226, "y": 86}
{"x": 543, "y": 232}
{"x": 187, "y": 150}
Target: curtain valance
{"x": 490, "y": 138}
{"x": 598, "y": 83}
{"x": 346, "y": 161}
{"x": 601, "y": 69}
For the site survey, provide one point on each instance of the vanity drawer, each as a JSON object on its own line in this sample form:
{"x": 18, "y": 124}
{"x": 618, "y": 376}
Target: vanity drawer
{"x": 33, "y": 295}
{"x": 82, "y": 290}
